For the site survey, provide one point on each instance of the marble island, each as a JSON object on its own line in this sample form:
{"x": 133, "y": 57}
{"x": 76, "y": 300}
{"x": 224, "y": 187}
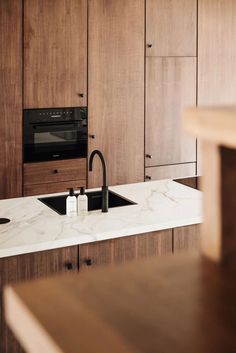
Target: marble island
{"x": 35, "y": 227}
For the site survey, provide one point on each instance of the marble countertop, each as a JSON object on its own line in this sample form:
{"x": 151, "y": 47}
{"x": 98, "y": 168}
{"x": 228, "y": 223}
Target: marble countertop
{"x": 35, "y": 227}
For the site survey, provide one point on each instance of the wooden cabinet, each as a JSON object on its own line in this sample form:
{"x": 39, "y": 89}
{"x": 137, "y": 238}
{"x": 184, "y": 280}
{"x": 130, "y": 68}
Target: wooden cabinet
{"x": 121, "y": 250}
{"x": 27, "y": 267}
{"x": 55, "y": 53}
{"x": 186, "y": 238}
{"x": 171, "y": 27}
{"x": 11, "y": 98}
{"x": 116, "y": 89}
{"x": 170, "y": 86}
{"x": 54, "y": 176}
{"x": 216, "y": 54}
{"x": 170, "y": 171}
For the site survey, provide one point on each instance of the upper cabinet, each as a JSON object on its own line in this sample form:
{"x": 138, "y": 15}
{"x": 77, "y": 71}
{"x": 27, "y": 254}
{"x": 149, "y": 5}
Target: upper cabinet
{"x": 171, "y": 27}
{"x": 10, "y": 98}
{"x": 55, "y": 53}
{"x": 116, "y": 88}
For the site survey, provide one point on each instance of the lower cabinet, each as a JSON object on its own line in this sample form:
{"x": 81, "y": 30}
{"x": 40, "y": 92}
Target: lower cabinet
{"x": 186, "y": 238}
{"x": 27, "y": 267}
{"x": 121, "y": 250}
{"x": 88, "y": 256}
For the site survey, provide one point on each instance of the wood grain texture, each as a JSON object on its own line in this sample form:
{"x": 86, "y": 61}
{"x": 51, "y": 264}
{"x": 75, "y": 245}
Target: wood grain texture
{"x": 51, "y": 188}
{"x": 27, "y": 267}
{"x": 116, "y": 89}
{"x": 125, "y": 249}
{"x": 186, "y": 238}
{"x": 216, "y": 52}
{"x": 55, "y": 53}
{"x": 55, "y": 171}
{"x": 168, "y": 304}
{"x": 171, "y": 27}
{"x": 170, "y": 87}
{"x": 216, "y": 55}
{"x": 170, "y": 171}
{"x": 11, "y": 98}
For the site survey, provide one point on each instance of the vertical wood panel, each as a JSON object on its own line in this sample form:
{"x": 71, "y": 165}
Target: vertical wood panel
{"x": 10, "y": 98}
{"x": 171, "y": 86}
{"x": 116, "y": 88}
{"x": 216, "y": 55}
{"x": 55, "y": 53}
{"x": 171, "y": 27}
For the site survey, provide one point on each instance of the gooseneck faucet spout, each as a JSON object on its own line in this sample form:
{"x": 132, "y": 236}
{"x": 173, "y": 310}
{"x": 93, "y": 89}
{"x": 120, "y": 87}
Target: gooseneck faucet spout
{"x": 104, "y": 186}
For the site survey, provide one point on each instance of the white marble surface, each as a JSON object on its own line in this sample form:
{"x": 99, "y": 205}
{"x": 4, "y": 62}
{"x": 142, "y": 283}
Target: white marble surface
{"x": 160, "y": 205}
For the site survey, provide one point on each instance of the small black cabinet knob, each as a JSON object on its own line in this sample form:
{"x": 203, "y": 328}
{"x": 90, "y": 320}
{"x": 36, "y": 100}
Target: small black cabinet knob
{"x": 149, "y": 156}
{"x": 92, "y": 136}
{"x": 148, "y": 177}
{"x": 68, "y": 266}
{"x": 55, "y": 171}
{"x": 81, "y": 95}
{"x": 88, "y": 262}
{"x": 149, "y": 45}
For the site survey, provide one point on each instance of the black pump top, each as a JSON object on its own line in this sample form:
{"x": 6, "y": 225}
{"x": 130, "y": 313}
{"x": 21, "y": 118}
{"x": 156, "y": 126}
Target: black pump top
{"x": 82, "y": 191}
{"x": 71, "y": 193}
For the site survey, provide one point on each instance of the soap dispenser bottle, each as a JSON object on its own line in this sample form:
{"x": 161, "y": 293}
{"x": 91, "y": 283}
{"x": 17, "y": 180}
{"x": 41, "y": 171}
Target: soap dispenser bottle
{"x": 71, "y": 204}
{"x": 82, "y": 202}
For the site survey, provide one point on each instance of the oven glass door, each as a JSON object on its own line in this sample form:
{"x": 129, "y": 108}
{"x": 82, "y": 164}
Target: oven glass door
{"x": 59, "y": 140}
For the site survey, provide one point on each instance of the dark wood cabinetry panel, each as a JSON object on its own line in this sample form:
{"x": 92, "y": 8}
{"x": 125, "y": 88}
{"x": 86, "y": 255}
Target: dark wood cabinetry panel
{"x": 55, "y": 53}
{"x": 11, "y": 98}
{"x": 116, "y": 88}
{"x": 192, "y": 182}
{"x": 54, "y": 171}
{"x": 121, "y": 250}
{"x": 28, "y": 267}
{"x": 171, "y": 27}
{"x": 171, "y": 86}
{"x": 186, "y": 238}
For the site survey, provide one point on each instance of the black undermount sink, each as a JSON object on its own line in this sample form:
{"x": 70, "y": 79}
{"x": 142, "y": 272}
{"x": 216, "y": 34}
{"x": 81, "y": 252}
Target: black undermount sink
{"x": 58, "y": 203}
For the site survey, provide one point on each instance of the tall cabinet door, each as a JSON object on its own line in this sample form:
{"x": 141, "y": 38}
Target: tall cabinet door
{"x": 10, "y": 99}
{"x": 55, "y": 53}
{"x": 216, "y": 54}
{"x": 171, "y": 68}
{"x": 170, "y": 86}
{"x": 116, "y": 88}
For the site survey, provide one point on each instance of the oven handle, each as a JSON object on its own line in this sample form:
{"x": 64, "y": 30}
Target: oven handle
{"x": 74, "y": 122}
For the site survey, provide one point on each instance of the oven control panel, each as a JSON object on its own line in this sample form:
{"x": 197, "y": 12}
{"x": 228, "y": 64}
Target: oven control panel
{"x": 54, "y": 114}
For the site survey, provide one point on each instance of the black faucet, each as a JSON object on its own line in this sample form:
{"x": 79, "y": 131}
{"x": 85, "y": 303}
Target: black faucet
{"x": 104, "y": 186}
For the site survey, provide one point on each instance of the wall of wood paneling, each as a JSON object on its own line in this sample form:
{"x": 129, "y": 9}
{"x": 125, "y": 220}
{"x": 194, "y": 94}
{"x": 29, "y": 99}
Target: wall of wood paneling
{"x": 10, "y": 98}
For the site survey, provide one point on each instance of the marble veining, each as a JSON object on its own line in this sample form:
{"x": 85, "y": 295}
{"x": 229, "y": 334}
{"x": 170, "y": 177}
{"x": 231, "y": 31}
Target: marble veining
{"x": 35, "y": 227}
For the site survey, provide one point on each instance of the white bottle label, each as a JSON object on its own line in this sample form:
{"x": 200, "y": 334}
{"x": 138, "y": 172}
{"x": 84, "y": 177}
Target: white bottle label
{"x": 71, "y": 206}
{"x": 82, "y": 204}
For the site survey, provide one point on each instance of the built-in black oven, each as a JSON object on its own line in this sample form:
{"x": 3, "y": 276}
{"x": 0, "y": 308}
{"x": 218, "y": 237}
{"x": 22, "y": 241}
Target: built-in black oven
{"x": 55, "y": 133}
